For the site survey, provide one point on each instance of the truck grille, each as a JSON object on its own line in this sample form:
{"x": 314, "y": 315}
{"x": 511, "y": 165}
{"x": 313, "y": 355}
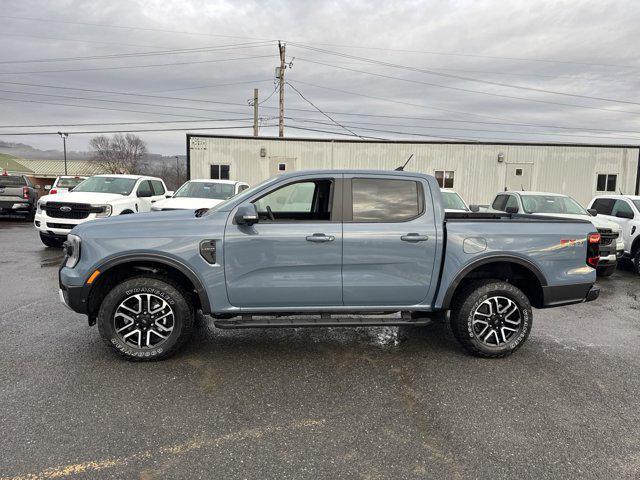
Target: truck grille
{"x": 77, "y": 211}
{"x": 607, "y": 237}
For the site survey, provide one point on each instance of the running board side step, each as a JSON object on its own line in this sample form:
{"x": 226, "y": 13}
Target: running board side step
{"x": 249, "y": 321}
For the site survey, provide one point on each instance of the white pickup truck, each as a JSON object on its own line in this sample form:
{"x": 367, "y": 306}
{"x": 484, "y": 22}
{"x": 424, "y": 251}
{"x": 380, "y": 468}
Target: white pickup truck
{"x": 624, "y": 210}
{"x": 97, "y": 197}
{"x": 557, "y": 205}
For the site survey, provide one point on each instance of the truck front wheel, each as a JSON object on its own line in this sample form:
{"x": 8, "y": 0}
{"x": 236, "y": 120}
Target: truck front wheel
{"x": 146, "y": 318}
{"x": 491, "y": 318}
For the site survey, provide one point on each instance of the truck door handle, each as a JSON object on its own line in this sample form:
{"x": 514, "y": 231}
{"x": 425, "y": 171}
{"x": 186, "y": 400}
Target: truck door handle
{"x": 414, "y": 237}
{"x": 320, "y": 237}
{"x": 153, "y": 201}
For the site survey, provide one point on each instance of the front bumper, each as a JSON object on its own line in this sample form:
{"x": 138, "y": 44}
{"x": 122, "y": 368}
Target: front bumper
{"x": 74, "y": 297}
{"x": 555, "y": 296}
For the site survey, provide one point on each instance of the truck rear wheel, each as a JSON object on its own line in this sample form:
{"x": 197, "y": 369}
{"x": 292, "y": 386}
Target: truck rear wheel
{"x": 491, "y": 318}
{"x": 146, "y": 318}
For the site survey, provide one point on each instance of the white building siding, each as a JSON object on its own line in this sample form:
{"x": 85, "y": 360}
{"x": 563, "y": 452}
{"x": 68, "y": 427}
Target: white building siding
{"x": 478, "y": 174}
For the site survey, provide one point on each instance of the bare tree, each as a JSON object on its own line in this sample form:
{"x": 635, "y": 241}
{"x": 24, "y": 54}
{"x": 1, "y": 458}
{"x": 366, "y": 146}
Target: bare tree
{"x": 120, "y": 153}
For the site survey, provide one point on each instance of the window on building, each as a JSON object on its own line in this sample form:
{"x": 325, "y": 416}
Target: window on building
{"x": 301, "y": 201}
{"x": 606, "y": 182}
{"x": 518, "y": 172}
{"x": 219, "y": 172}
{"x": 444, "y": 178}
{"x": 282, "y": 167}
{"x": 381, "y": 200}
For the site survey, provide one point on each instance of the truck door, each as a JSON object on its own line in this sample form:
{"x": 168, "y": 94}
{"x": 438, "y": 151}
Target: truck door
{"x": 389, "y": 240}
{"x": 293, "y": 255}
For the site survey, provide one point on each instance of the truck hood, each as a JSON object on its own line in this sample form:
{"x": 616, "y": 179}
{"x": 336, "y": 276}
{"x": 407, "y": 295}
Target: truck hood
{"x": 85, "y": 197}
{"x": 135, "y": 224}
{"x": 186, "y": 203}
{"x": 597, "y": 221}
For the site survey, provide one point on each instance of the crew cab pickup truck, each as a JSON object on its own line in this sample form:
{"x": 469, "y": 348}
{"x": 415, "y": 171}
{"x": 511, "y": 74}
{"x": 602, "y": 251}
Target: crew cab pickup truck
{"x": 17, "y": 195}
{"x": 624, "y": 210}
{"x": 362, "y": 248}
{"x": 557, "y": 205}
{"x": 99, "y": 196}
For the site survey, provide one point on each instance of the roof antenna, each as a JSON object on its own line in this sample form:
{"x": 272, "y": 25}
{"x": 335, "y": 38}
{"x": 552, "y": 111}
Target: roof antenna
{"x": 522, "y": 187}
{"x": 620, "y": 192}
{"x": 401, "y": 169}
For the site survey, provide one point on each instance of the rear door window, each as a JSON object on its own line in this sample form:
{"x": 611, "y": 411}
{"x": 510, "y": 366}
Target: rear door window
{"x": 145, "y": 188}
{"x": 500, "y": 202}
{"x": 604, "y": 206}
{"x": 512, "y": 202}
{"x": 385, "y": 200}
{"x": 158, "y": 189}
{"x": 622, "y": 206}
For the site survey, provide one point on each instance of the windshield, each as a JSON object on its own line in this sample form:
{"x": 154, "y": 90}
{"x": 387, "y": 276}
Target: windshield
{"x": 452, "y": 201}
{"x": 241, "y": 196}
{"x": 122, "y": 186}
{"x": 551, "y": 204}
{"x": 12, "y": 181}
{"x": 68, "y": 182}
{"x": 213, "y": 190}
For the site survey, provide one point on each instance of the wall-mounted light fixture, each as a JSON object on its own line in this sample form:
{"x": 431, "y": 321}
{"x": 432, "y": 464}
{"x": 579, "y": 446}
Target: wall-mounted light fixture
{"x": 500, "y": 157}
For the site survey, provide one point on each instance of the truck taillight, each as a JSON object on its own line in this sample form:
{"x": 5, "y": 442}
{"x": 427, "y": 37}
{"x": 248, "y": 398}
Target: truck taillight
{"x": 593, "y": 249}
{"x": 25, "y": 193}
{"x": 53, "y": 191}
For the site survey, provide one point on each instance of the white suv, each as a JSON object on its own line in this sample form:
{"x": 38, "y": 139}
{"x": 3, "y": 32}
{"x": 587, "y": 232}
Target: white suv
{"x": 625, "y": 211}
{"x": 97, "y": 197}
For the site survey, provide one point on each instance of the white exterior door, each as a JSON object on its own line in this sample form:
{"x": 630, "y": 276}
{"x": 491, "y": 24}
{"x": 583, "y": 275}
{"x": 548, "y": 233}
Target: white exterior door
{"x": 518, "y": 176}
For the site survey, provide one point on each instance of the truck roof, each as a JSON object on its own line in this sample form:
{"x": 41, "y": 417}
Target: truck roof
{"x": 214, "y": 180}
{"x": 400, "y": 173}
{"x": 630, "y": 197}
{"x": 119, "y": 175}
{"x": 524, "y": 192}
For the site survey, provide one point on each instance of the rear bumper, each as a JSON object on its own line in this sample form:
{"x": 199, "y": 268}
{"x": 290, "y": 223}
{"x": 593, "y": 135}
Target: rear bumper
{"x": 569, "y": 294}
{"x": 16, "y": 205}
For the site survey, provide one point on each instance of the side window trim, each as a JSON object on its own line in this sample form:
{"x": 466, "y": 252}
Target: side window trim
{"x": 347, "y": 199}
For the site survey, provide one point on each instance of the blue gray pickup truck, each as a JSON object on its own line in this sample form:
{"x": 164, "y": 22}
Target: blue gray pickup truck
{"x": 326, "y": 248}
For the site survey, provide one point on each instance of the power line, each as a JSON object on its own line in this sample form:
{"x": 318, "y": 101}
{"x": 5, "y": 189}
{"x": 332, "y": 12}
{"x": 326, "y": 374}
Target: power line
{"x": 513, "y": 97}
{"x": 204, "y": 120}
{"x": 13, "y": 134}
{"x": 124, "y": 67}
{"x": 323, "y": 113}
{"x": 177, "y": 51}
{"x": 469, "y": 79}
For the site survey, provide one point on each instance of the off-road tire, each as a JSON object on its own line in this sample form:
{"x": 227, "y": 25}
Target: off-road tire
{"x": 467, "y": 301}
{"x": 171, "y": 292}
{"x": 636, "y": 261}
{"x": 51, "y": 241}
{"x": 606, "y": 271}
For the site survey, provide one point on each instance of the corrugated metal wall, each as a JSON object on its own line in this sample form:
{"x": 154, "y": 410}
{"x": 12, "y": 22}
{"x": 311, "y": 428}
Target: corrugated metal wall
{"x": 478, "y": 174}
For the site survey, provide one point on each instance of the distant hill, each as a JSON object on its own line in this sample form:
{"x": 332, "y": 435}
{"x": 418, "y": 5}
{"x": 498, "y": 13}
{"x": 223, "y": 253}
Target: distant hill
{"x": 22, "y": 150}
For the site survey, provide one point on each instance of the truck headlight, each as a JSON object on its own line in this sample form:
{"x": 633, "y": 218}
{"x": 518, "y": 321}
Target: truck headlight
{"x": 106, "y": 211}
{"x": 72, "y": 251}
{"x": 41, "y": 205}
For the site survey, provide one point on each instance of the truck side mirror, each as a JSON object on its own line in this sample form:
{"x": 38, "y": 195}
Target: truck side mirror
{"x": 511, "y": 210}
{"x": 474, "y": 208}
{"x": 592, "y": 211}
{"x": 246, "y": 214}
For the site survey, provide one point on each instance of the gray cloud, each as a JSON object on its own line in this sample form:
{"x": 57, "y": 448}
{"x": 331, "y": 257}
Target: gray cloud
{"x": 594, "y": 44}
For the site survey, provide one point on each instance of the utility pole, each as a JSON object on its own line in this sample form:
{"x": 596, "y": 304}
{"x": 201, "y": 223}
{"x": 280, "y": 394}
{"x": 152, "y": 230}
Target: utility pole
{"x": 281, "y": 48}
{"x": 177, "y": 171}
{"x": 64, "y": 146}
{"x": 255, "y": 112}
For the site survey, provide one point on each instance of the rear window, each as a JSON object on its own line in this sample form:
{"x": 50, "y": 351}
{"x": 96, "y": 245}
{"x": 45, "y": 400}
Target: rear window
{"x": 12, "y": 181}
{"x": 603, "y": 206}
{"x": 382, "y": 200}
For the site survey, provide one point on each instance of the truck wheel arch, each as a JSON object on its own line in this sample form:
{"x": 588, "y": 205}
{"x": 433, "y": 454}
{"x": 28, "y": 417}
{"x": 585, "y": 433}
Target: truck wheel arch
{"x": 117, "y": 269}
{"x": 530, "y": 278}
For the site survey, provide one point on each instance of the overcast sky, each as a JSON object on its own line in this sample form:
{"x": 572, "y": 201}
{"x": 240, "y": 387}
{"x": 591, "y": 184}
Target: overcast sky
{"x": 402, "y": 69}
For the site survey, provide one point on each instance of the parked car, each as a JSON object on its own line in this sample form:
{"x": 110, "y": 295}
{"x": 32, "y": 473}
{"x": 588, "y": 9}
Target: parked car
{"x": 557, "y": 205}
{"x": 624, "y": 210}
{"x": 196, "y": 194}
{"x": 64, "y": 183}
{"x": 453, "y": 202}
{"x": 17, "y": 195}
{"x": 369, "y": 242}
{"x": 97, "y": 197}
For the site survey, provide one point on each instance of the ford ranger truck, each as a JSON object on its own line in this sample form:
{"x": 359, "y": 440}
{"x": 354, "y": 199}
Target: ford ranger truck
{"x": 326, "y": 248}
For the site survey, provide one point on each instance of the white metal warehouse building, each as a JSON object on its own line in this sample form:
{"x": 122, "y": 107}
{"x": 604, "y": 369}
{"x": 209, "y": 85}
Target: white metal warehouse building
{"x": 477, "y": 170}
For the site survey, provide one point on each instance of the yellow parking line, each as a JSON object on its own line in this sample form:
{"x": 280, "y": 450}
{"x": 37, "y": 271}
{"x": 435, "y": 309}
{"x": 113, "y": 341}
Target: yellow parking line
{"x": 178, "y": 449}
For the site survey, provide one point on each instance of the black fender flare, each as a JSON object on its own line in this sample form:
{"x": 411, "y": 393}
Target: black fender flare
{"x": 162, "y": 259}
{"x": 446, "y": 301}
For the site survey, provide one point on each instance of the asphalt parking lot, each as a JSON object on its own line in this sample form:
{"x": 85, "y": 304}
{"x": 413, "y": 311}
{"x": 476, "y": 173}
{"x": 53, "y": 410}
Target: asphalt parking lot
{"x": 366, "y": 403}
